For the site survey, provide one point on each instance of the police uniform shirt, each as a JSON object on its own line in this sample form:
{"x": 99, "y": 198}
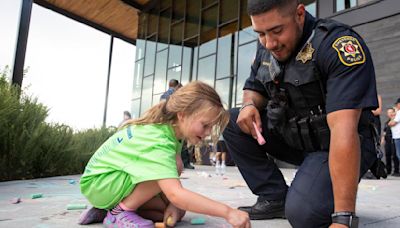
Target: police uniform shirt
{"x": 345, "y": 64}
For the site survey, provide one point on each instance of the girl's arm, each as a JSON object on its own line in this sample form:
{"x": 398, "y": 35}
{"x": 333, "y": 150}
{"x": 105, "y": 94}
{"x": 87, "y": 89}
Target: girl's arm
{"x": 190, "y": 201}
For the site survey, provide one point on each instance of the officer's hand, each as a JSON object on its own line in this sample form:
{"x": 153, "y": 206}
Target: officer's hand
{"x": 245, "y": 120}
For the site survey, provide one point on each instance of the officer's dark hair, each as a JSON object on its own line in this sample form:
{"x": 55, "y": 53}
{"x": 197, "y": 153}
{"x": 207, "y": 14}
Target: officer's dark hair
{"x": 255, "y": 7}
{"x": 173, "y": 83}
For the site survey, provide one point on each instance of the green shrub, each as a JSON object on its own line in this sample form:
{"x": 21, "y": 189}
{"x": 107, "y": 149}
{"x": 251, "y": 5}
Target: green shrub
{"x": 31, "y": 148}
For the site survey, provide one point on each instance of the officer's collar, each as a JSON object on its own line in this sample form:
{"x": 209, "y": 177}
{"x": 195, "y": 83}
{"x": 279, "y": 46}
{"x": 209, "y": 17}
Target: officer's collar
{"x": 309, "y": 24}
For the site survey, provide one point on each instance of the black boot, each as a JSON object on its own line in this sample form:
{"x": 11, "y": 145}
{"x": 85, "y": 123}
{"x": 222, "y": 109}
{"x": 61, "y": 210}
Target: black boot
{"x": 265, "y": 209}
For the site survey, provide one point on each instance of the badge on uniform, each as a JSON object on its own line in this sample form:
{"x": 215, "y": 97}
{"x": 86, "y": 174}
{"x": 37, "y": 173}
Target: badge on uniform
{"x": 305, "y": 54}
{"x": 349, "y": 50}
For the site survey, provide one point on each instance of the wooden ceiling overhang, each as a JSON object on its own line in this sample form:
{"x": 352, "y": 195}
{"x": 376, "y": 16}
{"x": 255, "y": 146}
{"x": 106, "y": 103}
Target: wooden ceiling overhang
{"x": 118, "y": 18}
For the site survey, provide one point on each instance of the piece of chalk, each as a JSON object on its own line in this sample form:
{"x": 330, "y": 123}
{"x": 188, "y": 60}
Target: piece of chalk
{"x": 198, "y": 221}
{"x": 37, "y": 195}
{"x": 260, "y": 138}
{"x": 71, "y": 181}
{"x": 159, "y": 225}
{"x": 170, "y": 221}
{"x": 76, "y": 206}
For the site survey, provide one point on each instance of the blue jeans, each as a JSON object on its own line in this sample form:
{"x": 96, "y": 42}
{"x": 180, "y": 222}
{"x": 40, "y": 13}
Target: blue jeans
{"x": 397, "y": 145}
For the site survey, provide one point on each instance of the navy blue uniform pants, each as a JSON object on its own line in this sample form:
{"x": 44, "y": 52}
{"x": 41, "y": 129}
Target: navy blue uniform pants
{"x": 309, "y": 199}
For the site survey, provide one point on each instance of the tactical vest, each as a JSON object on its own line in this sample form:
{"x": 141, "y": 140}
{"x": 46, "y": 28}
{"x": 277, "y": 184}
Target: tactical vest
{"x": 296, "y": 108}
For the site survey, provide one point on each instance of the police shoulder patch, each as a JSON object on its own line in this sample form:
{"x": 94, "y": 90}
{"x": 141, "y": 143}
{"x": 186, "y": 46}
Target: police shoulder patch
{"x": 349, "y": 50}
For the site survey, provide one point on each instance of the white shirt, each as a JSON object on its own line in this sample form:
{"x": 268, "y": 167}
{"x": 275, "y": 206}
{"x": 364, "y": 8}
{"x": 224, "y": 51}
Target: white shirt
{"x": 396, "y": 128}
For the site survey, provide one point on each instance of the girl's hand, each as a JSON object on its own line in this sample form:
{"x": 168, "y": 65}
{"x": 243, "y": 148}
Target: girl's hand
{"x": 172, "y": 215}
{"x": 238, "y": 219}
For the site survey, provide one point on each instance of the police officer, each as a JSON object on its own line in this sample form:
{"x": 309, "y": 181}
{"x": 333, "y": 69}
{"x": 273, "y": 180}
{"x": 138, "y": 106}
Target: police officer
{"x": 311, "y": 87}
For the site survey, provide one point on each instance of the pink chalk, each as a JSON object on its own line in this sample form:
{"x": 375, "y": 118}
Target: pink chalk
{"x": 260, "y": 138}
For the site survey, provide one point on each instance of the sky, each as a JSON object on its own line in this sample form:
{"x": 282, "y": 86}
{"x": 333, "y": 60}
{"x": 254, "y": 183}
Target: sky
{"x": 68, "y": 65}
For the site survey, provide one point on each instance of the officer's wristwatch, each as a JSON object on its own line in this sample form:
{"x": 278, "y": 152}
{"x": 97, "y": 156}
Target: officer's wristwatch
{"x": 345, "y": 218}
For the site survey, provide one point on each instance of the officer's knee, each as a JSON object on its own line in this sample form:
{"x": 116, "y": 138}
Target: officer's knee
{"x": 301, "y": 213}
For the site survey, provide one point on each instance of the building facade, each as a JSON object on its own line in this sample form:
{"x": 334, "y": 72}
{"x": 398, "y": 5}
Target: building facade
{"x": 212, "y": 41}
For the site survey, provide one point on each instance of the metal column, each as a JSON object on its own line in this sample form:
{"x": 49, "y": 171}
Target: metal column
{"x": 108, "y": 81}
{"x": 22, "y": 41}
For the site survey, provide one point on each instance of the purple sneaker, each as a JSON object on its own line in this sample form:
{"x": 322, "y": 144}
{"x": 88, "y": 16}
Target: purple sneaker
{"x": 92, "y": 215}
{"x": 126, "y": 219}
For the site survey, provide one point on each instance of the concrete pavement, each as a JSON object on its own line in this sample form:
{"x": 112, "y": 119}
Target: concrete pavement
{"x": 378, "y": 203}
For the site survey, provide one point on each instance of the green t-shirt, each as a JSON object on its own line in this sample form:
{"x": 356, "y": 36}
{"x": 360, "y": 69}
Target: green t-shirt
{"x": 137, "y": 152}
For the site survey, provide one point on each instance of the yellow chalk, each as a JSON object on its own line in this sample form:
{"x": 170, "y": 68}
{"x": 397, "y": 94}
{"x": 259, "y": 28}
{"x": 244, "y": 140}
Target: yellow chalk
{"x": 170, "y": 221}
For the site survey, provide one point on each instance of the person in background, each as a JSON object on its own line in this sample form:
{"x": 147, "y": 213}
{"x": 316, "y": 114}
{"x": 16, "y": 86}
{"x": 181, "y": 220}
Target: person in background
{"x": 395, "y": 127}
{"x": 173, "y": 85}
{"x": 127, "y": 116}
{"x": 135, "y": 173}
{"x": 390, "y": 149}
{"x": 377, "y": 112}
{"x": 220, "y": 157}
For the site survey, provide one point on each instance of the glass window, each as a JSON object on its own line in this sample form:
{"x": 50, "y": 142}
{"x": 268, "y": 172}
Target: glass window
{"x": 163, "y": 29}
{"x": 152, "y": 23}
{"x": 244, "y": 17}
{"x": 345, "y": 4}
{"x": 175, "y": 55}
{"x": 174, "y": 73}
{"x": 165, "y": 3}
{"x": 179, "y": 7}
{"x": 207, "y": 2}
{"x": 161, "y": 72}
{"x": 224, "y": 57}
{"x": 146, "y": 94}
{"x": 176, "y": 33}
{"x": 209, "y": 24}
{"x": 246, "y": 56}
{"x": 186, "y": 61}
{"x": 247, "y": 35}
{"x": 142, "y": 26}
{"x": 156, "y": 98}
{"x": 137, "y": 79}
{"x": 228, "y": 29}
{"x": 207, "y": 70}
{"x": 234, "y": 92}
{"x": 149, "y": 58}
{"x": 235, "y": 52}
{"x": 140, "y": 44}
{"x": 362, "y": 2}
{"x": 194, "y": 71}
{"x": 312, "y": 9}
{"x": 192, "y": 18}
{"x": 208, "y": 48}
{"x": 223, "y": 87}
{"x": 135, "y": 108}
{"x": 229, "y": 10}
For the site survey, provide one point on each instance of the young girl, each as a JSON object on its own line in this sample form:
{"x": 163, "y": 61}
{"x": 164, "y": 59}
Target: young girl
{"x": 129, "y": 171}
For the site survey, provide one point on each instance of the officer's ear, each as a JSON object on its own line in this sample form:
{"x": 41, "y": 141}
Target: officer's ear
{"x": 300, "y": 13}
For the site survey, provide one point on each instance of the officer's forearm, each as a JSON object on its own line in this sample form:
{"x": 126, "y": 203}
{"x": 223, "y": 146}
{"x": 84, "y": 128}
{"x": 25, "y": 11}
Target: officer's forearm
{"x": 344, "y": 158}
{"x": 250, "y": 96}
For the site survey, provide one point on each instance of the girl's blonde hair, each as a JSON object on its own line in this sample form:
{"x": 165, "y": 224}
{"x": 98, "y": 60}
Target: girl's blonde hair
{"x": 194, "y": 98}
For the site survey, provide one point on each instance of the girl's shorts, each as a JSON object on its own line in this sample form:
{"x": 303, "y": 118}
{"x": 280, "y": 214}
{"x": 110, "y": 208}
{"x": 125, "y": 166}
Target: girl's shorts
{"x": 106, "y": 190}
